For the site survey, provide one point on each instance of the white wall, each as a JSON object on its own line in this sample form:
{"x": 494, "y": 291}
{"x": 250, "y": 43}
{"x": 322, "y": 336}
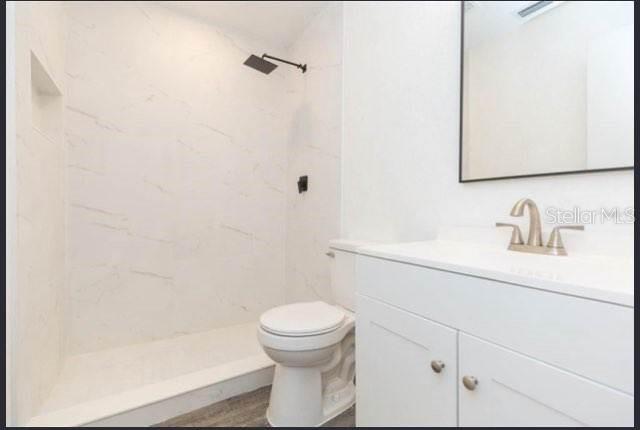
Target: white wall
{"x": 313, "y": 218}
{"x": 400, "y": 147}
{"x": 39, "y": 211}
{"x": 177, "y": 164}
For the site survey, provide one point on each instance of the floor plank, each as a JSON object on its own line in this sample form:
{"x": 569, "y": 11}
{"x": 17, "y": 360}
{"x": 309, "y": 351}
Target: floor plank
{"x": 245, "y": 410}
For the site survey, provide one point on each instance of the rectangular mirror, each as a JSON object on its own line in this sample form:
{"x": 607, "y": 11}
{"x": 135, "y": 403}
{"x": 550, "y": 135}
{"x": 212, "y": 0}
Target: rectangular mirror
{"x": 547, "y": 88}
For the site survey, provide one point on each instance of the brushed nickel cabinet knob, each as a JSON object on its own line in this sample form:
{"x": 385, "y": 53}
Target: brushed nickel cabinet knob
{"x": 470, "y": 382}
{"x": 437, "y": 366}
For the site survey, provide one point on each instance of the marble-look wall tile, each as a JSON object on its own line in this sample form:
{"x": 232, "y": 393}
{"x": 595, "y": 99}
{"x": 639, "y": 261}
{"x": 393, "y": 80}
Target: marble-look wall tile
{"x": 40, "y": 219}
{"x": 313, "y": 218}
{"x": 177, "y": 168}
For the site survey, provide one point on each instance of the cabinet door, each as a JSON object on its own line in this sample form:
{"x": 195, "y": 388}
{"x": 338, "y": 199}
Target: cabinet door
{"x": 516, "y": 390}
{"x": 396, "y": 382}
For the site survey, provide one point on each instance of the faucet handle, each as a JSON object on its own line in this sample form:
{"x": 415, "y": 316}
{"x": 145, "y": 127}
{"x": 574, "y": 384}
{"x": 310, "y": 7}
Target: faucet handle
{"x": 555, "y": 240}
{"x": 516, "y": 235}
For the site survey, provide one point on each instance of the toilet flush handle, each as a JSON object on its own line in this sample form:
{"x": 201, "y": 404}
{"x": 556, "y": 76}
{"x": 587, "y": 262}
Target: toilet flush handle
{"x": 330, "y": 254}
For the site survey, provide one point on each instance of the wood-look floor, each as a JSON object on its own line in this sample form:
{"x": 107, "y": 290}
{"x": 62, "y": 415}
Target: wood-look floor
{"x": 245, "y": 410}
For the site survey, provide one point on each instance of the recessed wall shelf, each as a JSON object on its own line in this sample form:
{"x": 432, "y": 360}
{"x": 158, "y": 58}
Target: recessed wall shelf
{"x": 46, "y": 101}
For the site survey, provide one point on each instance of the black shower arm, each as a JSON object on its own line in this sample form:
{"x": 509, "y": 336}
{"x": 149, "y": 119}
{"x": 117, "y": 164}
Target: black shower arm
{"x": 299, "y": 66}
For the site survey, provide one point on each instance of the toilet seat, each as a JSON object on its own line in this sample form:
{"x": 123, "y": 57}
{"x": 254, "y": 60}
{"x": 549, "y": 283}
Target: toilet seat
{"x": 302, "y": 319}
{"x": 307, "y": 342}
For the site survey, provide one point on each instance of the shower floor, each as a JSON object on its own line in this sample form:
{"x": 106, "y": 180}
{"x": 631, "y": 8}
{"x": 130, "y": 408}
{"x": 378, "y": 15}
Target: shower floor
{"x": 95, "y": 386}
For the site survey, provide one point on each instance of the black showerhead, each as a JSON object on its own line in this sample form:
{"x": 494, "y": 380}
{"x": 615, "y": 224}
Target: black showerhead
{"x": 260, "y": 64}
{"x": 266, "y": 67}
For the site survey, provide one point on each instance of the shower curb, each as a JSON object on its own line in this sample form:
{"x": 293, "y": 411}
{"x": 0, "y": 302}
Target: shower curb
{"x": 153, "y": 403}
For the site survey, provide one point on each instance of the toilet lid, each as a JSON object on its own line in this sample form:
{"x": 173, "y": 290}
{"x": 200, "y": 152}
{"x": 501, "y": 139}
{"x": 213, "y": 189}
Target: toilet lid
{"x": 302, "y": 319}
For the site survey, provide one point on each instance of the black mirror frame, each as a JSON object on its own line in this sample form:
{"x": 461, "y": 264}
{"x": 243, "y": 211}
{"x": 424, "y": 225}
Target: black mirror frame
{"x": 497, "y": 178}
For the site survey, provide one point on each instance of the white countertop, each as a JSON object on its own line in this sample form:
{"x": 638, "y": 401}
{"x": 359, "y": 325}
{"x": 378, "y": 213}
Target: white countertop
{"x": 608, "y": 279}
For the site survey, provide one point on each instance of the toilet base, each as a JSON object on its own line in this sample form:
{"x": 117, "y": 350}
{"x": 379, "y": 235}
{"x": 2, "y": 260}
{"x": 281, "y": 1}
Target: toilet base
{"x": 312, "y": 395}
{"x": 333, "y": 405}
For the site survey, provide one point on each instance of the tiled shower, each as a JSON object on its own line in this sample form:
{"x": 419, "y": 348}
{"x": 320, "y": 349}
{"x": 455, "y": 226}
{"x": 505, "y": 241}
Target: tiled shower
{"x": 172, "y": 218}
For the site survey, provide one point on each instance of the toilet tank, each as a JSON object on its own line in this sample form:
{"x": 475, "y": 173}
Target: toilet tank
{"x": 343, "y": 271}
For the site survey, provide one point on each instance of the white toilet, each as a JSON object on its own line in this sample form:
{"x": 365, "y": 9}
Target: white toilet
{"x": 313, "y": 346}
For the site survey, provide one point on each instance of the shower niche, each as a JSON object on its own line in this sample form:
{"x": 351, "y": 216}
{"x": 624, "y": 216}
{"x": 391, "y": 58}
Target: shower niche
{"x": 46, "y": 101}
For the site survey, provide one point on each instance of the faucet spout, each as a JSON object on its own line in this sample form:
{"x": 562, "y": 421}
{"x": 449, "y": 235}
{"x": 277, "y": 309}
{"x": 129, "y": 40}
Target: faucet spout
{"x": 535, "y": 228}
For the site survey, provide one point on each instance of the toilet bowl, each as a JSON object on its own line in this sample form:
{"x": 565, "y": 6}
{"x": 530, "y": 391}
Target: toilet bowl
{"x": 313, "y": 347}
{"x": 314, "y": 374}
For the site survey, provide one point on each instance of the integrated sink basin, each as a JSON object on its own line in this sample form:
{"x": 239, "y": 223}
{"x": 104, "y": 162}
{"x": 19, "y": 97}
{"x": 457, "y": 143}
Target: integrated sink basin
{"x": 602, "y": 278}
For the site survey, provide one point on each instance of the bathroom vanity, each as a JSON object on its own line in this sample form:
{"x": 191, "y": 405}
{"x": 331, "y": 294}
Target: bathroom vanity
{"x": 452, "y": 334}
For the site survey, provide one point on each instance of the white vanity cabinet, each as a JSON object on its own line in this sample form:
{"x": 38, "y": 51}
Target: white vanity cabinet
{"x": 409, "y": 365}
{"x": 513, "y": 355}
{"x": 516, "y": 391}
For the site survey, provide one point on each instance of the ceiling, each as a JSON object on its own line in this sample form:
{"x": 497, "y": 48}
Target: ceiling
{"x": 278, "y": 23}
{"x": 490, "y": 20}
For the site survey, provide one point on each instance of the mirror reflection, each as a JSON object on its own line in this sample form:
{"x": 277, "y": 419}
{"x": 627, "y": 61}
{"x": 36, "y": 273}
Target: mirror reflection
{"x": 547, "y": 87}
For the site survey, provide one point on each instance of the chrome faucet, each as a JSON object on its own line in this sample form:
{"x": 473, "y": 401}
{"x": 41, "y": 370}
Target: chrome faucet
{"x": 555, "y": 246}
